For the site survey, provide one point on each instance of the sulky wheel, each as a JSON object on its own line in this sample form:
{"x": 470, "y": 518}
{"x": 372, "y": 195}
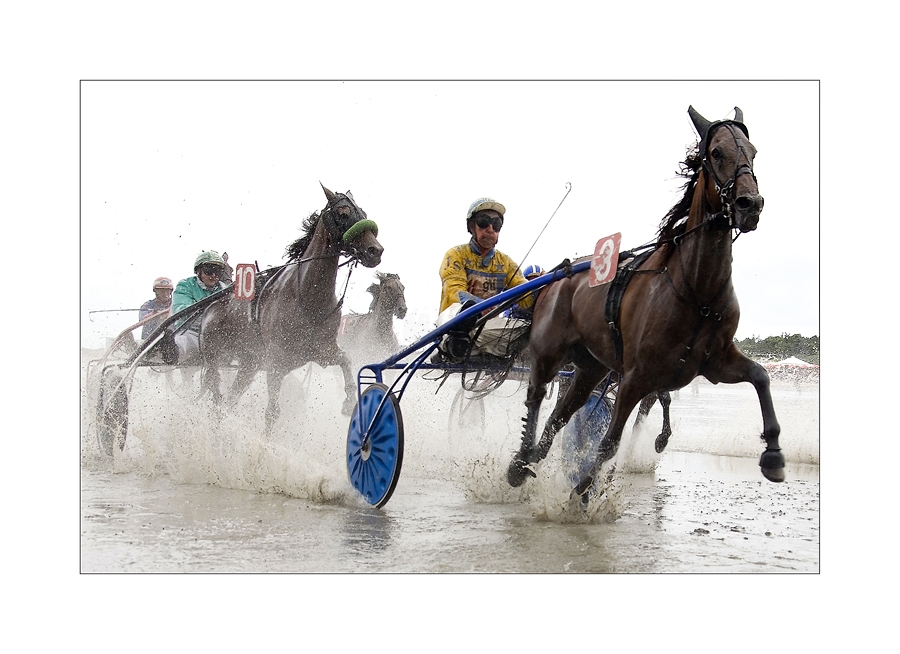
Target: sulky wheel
{"x": 374, "y": 466}
{"x": 112, "y": 413}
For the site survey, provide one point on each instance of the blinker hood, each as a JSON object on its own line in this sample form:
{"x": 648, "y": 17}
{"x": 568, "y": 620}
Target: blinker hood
{"x": 705, "y": 127}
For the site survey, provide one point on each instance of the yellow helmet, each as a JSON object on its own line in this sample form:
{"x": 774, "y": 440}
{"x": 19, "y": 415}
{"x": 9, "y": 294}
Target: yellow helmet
{"x": 484, "y": 203}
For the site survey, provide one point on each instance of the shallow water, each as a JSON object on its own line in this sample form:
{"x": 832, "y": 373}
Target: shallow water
{"x": 192, "y": 492}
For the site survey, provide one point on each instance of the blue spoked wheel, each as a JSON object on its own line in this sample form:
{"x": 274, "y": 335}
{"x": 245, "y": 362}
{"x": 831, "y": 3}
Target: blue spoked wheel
{"x": 375, "y": 468}
{"x": 582, "y": 436}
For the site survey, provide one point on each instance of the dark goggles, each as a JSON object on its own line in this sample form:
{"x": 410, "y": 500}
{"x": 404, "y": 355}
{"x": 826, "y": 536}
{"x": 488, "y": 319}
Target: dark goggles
{"x": 212, "y": 270}
{"x": 483, "y": 220}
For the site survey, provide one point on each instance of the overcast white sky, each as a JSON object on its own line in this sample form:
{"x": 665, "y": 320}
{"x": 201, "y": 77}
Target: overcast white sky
{"x": 172, "y": 168}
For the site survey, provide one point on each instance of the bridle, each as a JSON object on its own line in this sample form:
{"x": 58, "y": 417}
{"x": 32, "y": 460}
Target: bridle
{"x": 725, "y": 218}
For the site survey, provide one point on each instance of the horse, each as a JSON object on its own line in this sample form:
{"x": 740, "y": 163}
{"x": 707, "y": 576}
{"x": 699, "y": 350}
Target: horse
{"x": 372, "y": 333}
{"x": 294, "y": 316}
{"x": 677, "y": 318}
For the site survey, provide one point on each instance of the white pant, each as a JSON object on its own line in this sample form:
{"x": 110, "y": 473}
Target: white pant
{"x": 496, "y": 335}
{"x": 188, "y": 344}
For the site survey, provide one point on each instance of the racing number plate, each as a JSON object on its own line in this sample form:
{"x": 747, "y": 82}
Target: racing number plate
{"x": 244, "y": 281}
{"x": 605, "y": 260}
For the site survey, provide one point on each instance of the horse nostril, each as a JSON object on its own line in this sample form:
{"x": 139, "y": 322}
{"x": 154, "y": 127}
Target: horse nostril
{"x": 749, "y": 203}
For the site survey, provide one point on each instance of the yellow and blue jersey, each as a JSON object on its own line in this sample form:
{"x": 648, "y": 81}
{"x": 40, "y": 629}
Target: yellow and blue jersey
{"x": 466, "y": 275}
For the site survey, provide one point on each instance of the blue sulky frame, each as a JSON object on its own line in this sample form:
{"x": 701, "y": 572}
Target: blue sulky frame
{"x": 375, "y": 436}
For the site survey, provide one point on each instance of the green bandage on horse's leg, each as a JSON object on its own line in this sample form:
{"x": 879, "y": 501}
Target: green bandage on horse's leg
{"x": 360, "y": 227}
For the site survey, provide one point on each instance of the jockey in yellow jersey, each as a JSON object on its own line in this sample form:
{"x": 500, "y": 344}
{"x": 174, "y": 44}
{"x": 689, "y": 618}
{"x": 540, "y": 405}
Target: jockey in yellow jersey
{"x": 476, "y": 271}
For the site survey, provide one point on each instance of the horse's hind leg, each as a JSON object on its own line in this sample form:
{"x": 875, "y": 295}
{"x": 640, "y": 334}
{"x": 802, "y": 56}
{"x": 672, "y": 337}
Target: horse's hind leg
{"x": 245, "y": 374}
{"x": 518, "y": 470}
{"x": 643, "y": 410}
{"x": 584, "y": 381}
{"x": 583, "y": 384}
{"x": 349, "y": 384}
{"x": 663, "y": 439}
{"x": 274, "y": 378}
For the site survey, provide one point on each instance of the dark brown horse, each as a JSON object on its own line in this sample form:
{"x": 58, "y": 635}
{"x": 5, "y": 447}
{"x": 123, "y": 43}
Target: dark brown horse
{"x": 678, "y": 315}
{"x": 371, "y": 334}
{"x": 295, "y": 316}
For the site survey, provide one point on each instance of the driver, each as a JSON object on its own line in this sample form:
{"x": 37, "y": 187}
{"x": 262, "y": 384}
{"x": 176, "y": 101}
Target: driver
{"x": 209, "y": 268}
{"x": 162, "y": 289}
{"x": 476, "y": 271}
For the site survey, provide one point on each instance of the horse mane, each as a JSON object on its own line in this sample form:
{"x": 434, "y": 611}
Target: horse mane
{"x": 690, "y": 170}
{"x": 295, "y": 250}
{"x": 375, "y": 290}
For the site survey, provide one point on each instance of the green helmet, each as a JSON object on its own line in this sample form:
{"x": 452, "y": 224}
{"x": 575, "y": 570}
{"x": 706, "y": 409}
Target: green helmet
{"x": 210, "y": 256}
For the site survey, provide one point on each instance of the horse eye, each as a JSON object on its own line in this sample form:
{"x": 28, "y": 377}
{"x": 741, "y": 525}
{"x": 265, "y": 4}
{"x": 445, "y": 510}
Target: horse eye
{"x": 716, "y": 154}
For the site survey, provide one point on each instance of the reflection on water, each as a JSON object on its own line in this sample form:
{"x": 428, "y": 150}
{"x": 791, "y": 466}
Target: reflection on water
{"x": 192, "y": 494}
{"x": 367, "y": 531}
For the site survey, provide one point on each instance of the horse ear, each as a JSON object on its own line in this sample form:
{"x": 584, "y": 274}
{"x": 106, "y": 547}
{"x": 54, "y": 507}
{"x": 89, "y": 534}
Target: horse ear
{"x": 700, "y": 123}
{"x": 738, "y": 115}
{"x": 328, "y": 194}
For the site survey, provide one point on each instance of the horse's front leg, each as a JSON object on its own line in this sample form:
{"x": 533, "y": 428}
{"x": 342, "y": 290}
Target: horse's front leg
{"x": 736, "y": 368}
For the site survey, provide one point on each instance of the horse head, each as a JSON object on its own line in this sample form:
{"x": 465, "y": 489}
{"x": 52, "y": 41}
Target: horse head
{"x": 390, "y": 292}
{"x": 727, "y": 160}
{"x": 347, "y": 223}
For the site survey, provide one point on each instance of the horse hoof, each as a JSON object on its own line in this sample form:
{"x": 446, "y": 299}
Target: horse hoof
{"x": 518, "y": 472}
{"x": 773, "y": 474}
{"x": 772, "y": 465}
{"x": 660, "y": 445}
{"x": 578, "y": 500}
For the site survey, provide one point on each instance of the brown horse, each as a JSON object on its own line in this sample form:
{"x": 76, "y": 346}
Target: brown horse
{"x": 295, "y": 315}
{"x": 678, "y": 315}
{"x": 372, "y": 334}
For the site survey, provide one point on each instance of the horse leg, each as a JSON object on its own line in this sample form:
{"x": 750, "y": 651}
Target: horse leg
{"x": 349, "y": 384}
{"x": 663, "y": 439}
{"x": 644, "y": 409}
{"x": 646, "y": 404}
{"x": 274, "y": 378}
{"x": 626, "y": 398}
{"x": 518, "y": 469}
{"x": 209, "y": 382}
{"x": 245, "y": 374}
{"x": 210, "y": 379}
{"x": 584, "y": 382}
{"x": 737, "y": 368}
